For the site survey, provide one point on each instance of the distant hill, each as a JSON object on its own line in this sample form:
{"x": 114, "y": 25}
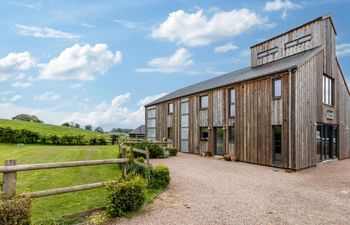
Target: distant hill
{"x": 47, "y": 129}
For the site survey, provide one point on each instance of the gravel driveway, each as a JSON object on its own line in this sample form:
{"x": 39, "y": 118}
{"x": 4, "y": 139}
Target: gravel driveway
{"x": 210, "y": 191}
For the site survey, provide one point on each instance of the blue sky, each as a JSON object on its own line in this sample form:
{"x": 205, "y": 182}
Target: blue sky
{"x": 99, "y": 62}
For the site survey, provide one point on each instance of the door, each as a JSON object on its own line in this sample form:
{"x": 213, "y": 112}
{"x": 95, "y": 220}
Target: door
{"x": 277, "y": 144}
{"x": 219, "y": 141}
{"x": 327, "y": 142}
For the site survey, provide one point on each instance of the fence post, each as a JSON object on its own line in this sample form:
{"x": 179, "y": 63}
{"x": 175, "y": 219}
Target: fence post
{"x": 124, "y": 164}
{"x": 9, "y": 180}
{"x": 148, "y": 165}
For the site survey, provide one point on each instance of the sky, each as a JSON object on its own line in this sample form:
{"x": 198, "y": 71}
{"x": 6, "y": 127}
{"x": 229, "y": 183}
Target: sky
{"x": 100, "y": 62}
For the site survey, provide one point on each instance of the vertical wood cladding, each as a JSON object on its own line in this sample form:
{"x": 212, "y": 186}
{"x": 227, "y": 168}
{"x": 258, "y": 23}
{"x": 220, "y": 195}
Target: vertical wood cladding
{"x": 257, "y": 111}
{"x": 314, "y": 28}
{"x": 343, "y": 114}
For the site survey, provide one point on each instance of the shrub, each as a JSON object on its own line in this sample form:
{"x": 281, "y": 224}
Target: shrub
{"x": 93, "y": 141}
{"x": 132, "y": 168}
{"x": 55, "y": 139}
{"x": 155, "y": 151}
{"x": 140, "y": 159}
{"x": 101, "y": 141}
{"x": 79, "y": 139}
{"x": 160, "y": 177}
{"x": 126, "y": 195}
{"x": 172, "y": 151}
{"x": 227, "y": 157}
{"x": 15, "y": 211}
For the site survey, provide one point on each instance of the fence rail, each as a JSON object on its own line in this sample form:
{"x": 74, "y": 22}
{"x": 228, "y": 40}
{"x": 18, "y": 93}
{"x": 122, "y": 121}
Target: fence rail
{"x": 146, "y": 165}
{"x": 9, "y": 179}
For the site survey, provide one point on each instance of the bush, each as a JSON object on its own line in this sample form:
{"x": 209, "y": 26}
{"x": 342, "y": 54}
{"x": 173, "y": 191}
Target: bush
{"x": 55, "y": 139}
{"x": 15, "y": 211}
{"x": 126, "y": 195}
{"x": 227, "y": 157}
{"x": 155, "y": 151}
{"x": 160, "y": 177}
{"x": 172, "y": 151}
{"x": 132, "y": 168}
{"x": 101, "y": 141}
{"x": 140, "y": 159}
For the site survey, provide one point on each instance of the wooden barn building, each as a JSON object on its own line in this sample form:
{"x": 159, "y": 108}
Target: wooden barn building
{"x": 289, "y": 109}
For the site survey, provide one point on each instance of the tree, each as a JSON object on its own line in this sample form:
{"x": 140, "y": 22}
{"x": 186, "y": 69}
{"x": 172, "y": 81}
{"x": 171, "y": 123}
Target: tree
{"x": 77, "y": 125}
{"x": 88, "y": 127}
{"x": 28, "y": 118}
{"x": 99, "y": 130}
{"x": 65, "y": 124}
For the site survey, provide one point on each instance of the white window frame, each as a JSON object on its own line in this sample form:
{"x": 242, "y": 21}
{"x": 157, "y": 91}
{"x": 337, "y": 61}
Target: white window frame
{"x": 327, "y": 90}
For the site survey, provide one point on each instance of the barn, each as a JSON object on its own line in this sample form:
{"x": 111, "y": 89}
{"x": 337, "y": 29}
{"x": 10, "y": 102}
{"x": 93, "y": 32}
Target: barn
{"x": 289, "y": 109}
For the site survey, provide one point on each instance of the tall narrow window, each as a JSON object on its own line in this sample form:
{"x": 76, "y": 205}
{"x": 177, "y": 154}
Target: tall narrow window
{"x": 170, "y": 133}
{"x": 277, "y": 143}
{"x": 232, "y": 100}
{"x": 151, "y": 123}
{"x": 170, "y": 108}
{"x": 203, "y": 101}
{"x": 204, "y": 134}
{"x": 232, "y": 134}
{"x": 277, "y": 88}
{"x": 184, "y": 125}
{"x": 327, "y": 90}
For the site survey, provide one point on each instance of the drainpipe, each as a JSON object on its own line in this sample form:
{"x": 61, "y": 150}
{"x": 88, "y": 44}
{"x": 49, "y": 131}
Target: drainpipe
{"x": 290, "y": 118}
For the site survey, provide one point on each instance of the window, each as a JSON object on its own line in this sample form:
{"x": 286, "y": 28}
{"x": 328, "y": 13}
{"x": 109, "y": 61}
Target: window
{"x": 204, "y": 102}
{"x": 298, "y": 41}
{"x": 232, "y": 134}
{"x": 277, "y": 143}
{"x": 277, "y": 88}
{"x": 151, "y": 123}
{"x": 170, "y": 133}
{"x": 204, "y": 134}
{"x": 184, "y": 125}
{"x": 327, "y": 90}
{"x": 232, "y": 100}
{"x": 268, "y": 52}
{"x": 170, "y": 108}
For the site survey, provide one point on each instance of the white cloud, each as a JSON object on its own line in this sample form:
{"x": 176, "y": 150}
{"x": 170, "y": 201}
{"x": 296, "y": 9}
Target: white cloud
{"x": 114, "y": 113}
{"x": 130, "y": 24}
{"x": 196, "y": 29}
{"x": 177, "y": 62}
{"x": 343, "y": 50}
{"x": 44, "y": 32}
{"x": 87, "y": 25}
{"x": 14, "y": 64}
{"x": 80, "y": 63}
{"x": 277, "y": 5}
{"x": 74, "y": 86}
{"x": 225, "y": 48}
{"x": 16, "y": 98}
{"x": 46, "y": 96}
{"x": 19, "y": 84}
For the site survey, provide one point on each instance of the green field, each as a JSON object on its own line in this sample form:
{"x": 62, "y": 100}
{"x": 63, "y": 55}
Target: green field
{"x": 48, "y": 129}
{"x": 56, "y": 206}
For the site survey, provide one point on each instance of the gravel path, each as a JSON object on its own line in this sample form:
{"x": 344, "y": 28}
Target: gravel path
{"x": 210, "y": 191}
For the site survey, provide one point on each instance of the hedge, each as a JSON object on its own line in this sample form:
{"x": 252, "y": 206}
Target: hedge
{"x": 155, "y": 151}
{"x": 23, "y": 136}
{"x": 160, "y": 177}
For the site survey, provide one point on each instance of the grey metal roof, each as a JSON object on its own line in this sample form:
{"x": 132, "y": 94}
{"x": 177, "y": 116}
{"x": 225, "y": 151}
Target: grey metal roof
{"x": 244, "y": 74}
{"x": 139, "y": 130}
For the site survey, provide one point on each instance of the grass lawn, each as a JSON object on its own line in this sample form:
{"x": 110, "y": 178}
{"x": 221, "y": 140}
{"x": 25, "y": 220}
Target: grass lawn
{"x": 58, "y": 205}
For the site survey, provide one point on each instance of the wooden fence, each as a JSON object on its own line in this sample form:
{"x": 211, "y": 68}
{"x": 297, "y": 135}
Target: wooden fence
{"x": 145, "y": 152}
{"x": 10, "y": 169}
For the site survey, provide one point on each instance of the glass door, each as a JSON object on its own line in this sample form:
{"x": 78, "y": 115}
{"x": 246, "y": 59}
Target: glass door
{"x": 219, "y": 141}
{"x": 327, "y": 142}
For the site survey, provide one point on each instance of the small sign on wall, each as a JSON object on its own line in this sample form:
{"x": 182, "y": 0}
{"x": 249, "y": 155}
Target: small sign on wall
{"x": 329, "y": 115}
